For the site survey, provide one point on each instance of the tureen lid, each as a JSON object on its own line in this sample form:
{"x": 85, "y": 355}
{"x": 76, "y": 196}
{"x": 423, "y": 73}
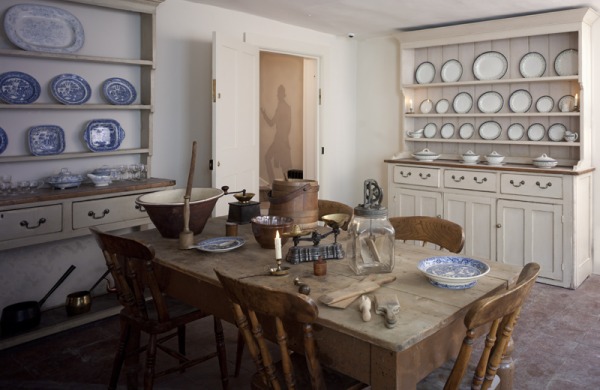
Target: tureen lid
{"x": 469, "y": 153}
{"x": 65, "y": 176}
{"x": 494, "y": 154}
{"x": 425, "y": 152}
{"x": 544, "y": 157}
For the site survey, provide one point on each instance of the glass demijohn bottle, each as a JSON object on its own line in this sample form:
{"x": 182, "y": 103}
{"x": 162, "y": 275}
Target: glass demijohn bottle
{"x": 371, "y": 245}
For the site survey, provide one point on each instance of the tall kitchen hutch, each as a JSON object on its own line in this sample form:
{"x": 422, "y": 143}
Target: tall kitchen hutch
{"x": 512, "y": 86}
{"x": 119, "y": 41}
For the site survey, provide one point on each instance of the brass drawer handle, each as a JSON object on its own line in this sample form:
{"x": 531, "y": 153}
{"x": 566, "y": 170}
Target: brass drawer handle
{"x": 140, "y": 208}
{"x": 537, "y": 183}
{"x": 459, "y": 179}
{"x": 26, "y": 224}
{"x": 405, "y": 175}
{"x": 425, "y": 177}
{"x": 480, "y": 182}
{"x": 519, "y": 184}
{"x": 93, "y": 214}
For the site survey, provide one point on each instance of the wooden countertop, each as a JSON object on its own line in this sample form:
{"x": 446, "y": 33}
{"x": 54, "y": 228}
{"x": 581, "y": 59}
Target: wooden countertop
{"x": 86, "y": 189}
{"x": 506, "y": 167}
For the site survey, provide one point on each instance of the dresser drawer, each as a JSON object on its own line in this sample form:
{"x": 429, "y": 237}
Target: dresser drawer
{"x": 429, "y": 177}
{"x": 542, "y": 186}
{"x": 29, "y": 222}
{"x": 102, "y": 211}
{"x": 470, "y": 180}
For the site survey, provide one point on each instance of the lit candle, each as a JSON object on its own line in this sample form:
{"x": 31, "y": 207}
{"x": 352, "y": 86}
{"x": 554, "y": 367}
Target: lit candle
{"x": 576, "y": 99}
{"x": 277, "y": 246}
{"x": 410, "y": 105}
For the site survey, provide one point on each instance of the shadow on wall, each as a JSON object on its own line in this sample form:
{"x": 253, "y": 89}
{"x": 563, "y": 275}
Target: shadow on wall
{"x": 279, "y": 153}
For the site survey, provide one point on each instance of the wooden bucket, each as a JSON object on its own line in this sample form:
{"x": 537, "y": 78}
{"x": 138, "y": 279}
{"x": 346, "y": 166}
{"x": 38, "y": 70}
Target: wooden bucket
{"x": 297, "y": 199}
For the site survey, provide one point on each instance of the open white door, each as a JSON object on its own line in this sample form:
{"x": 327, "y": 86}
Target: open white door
{"x": 235, "y": 134}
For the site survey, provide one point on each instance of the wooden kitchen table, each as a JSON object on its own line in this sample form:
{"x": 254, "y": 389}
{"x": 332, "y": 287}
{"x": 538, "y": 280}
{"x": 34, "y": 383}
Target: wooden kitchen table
{"x": 430, "y": 322}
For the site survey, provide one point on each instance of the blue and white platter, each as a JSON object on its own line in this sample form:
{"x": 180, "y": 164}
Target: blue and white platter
{"x": 102, "y": 135}
{"x": 3, "y": 140}
{"x": 453, "y": 272}
{"x": 220, "y": 244}
{"x": 18, "y": 88}
{"x": 35, "y": 27}
{"x": 118, "y": 91}
{"x": 70, "y": 88}
{"x": 46, "y": 140}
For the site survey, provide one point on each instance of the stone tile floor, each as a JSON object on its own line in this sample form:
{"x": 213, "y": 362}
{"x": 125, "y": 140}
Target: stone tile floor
{"x": 557, "y": 347}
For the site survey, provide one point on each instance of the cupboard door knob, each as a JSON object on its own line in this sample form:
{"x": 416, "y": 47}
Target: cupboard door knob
{"x": 438, "y": 216}
{"x": 498, "y": 225}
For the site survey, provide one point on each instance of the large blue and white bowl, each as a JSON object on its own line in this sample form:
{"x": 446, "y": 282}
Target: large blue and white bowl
{"x": 453, "y": 272}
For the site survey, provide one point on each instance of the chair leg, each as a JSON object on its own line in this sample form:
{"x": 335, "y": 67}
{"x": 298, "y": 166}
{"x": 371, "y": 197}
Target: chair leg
{"x": 181, "y": 343}
{"x": 150, "y": 363}
{"x": 239, "y": 353}
{"x": 120, "y": 355}
{"x": 222, "y": 355}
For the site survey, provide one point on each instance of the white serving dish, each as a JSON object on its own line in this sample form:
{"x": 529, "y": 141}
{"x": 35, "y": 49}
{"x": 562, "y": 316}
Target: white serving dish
{"x": 494, "y": 158}
{"x": 544, "y": 161}
{"x": 470, "y": 157}
{"x": 426, "y": 155}
{"x": 99, "y": 181}
{"x": 453, "y": 272}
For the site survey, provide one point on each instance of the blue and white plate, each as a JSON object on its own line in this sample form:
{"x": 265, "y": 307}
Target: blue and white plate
{"x": 3, "y": 140}
{"x": 70, "y": 88}
{"x": 453, "y": 272}
{"x": 35, "y": 27}
{"x": 46, "y": 140}
{"x": 220, "y": 244}
{"x": 18, "y": 88}
{"x": 102, "y": 135}
{"x": 119, "y": 91}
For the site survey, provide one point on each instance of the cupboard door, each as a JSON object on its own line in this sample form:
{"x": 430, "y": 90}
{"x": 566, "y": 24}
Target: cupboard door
{"x": 529, "y": 232}
{"x": 406, "y": 202}
{"x": 476, "y": 215}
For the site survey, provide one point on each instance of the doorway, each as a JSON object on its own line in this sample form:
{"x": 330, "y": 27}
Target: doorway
{"x": 288, "y": 117}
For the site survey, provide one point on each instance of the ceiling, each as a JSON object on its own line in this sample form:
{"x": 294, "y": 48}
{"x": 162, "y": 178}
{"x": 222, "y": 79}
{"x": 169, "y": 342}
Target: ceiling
{"x": 369, "y": 18}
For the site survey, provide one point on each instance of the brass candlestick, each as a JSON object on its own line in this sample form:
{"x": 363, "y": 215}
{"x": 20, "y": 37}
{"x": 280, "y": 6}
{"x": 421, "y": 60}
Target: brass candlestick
{"x": 279, "y": 270}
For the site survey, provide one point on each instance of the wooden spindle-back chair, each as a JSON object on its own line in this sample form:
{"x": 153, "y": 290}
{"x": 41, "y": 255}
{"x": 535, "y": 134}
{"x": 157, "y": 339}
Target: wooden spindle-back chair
{"x": 437, "y": 231}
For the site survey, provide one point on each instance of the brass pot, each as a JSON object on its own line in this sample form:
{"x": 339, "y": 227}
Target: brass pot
{"x": 78, "y": 302}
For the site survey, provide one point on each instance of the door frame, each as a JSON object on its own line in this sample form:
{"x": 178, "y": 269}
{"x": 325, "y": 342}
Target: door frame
{"x": 311, "y": 51}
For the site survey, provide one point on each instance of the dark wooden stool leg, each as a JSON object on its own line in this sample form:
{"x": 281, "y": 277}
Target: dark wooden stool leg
{"x": 150, "y": 363}
{"x": 120, "y": 355}
{"x": 132, "y": 357}
{"x": 239, "y": 353}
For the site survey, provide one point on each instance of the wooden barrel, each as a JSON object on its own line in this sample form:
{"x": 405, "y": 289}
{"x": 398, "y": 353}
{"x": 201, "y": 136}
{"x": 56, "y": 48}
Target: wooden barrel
{"x": 297, "y": 199}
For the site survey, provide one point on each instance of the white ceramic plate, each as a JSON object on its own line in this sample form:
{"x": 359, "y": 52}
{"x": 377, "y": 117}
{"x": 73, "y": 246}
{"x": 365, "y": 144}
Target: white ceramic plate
{"x": 566, "y": 63}
{"x": 466, "y": 130}
{"x": 430, "y": 130}
{"x": 220, "y": 244}
{"x": 536, "y": 132}
{"x": 544, "y": 104}
{"x": 426, "y": 106}
{"x": 566, "y": 103}
{"x": 520, "y": 101}
{"x": 490, "y": 102}
{"x": 447, "y": 130}
{"x": 490, "y": 130}
{"x": 442, "y": 106}
{"x": 490, "y": 65}
{"x": 451, "y": 71}
{"x": 462, "y": 103}
{"x": 453, "y": 272}
{"x": 515, "y": 131}
{"x": 532, "y": 65}
{"x": 425, "y": 73}
{"x": 556, "y": 132}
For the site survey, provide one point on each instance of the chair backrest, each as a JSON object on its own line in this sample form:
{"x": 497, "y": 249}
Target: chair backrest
{"x": 441, "y": 232}
{"x": 131, "y": 265}
{"x": 258, "y": 307}
{"x": 501, "y": 311}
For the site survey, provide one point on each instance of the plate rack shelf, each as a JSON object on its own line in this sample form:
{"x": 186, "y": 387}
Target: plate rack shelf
{"x": 522, "y": 36}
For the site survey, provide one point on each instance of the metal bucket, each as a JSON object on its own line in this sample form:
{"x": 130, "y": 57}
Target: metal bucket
{"x": 297, "y": 199}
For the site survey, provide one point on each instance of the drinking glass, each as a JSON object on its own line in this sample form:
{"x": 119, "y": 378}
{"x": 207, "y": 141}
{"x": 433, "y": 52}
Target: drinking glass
{"x": 123, "y": 172}
{"x": 134, "y": 170}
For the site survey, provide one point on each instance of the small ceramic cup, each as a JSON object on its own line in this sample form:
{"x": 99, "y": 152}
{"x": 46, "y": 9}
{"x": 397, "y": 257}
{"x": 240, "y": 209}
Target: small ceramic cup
{"x": 570, "y": 136}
